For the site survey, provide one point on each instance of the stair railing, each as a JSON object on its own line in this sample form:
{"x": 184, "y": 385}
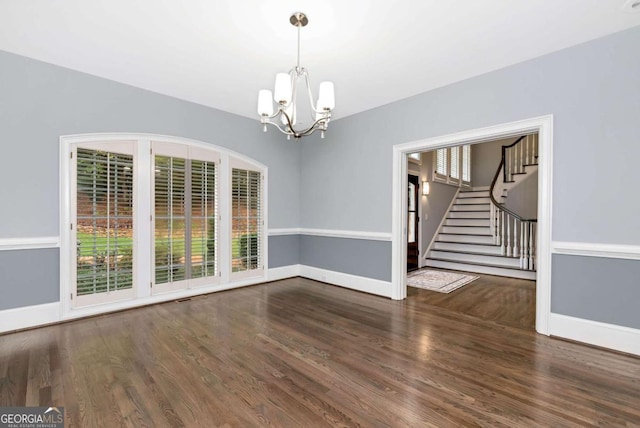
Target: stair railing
{"x": 515, "y": 234}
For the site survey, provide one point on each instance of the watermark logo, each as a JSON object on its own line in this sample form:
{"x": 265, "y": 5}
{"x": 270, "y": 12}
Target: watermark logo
{"x": 31, "y": 417}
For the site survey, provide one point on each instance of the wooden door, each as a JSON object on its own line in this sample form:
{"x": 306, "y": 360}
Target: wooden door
{"x": 412, "y": 223}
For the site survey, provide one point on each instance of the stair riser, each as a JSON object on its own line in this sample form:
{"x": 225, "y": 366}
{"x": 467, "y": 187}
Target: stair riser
{"x": 467, "y": 201}
{"x": 472, "y": 230}
{"x": 475, "y": 258}
{"x": 463, "y": 214}
{"x": 470, "y": 239}
{"x": 485, "y": 249}
{"x": 471, "y": 207}
{"x": 523, "y": 274}
{"x": 480, "y": 194}
{"x": 467, "y": 222}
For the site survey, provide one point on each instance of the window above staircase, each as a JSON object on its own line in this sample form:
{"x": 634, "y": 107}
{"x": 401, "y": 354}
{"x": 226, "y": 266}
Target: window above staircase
{"x": 452, "y": 165}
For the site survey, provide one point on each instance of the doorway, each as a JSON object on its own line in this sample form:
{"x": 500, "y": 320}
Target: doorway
{"x": 543, "y": 126}
{"x": 413, "y": 251}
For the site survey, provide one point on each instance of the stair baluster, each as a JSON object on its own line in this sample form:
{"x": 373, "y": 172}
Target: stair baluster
{"x": 516, "y": 247}
{"x": 502, "y": 229}
{"x": 531, "y": 246}
{"x": 508, "y": 237}
{"x": 523, "y": 226}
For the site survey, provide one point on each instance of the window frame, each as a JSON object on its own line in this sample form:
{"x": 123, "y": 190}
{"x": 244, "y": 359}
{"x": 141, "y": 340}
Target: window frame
{"x": 447, "y": 177}
{"x": 143, "y": 293}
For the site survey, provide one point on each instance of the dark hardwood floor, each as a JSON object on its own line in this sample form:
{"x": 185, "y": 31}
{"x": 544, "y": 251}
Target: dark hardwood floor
{"x": 302, "y": 353}
{"x": 508, "y": 301}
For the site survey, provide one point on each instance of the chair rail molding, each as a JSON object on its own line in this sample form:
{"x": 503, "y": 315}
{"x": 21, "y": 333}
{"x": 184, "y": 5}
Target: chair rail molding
{"x": 331, "y": 233}
{"x": 32, "y": 243}
{"x": 590, "y": 249}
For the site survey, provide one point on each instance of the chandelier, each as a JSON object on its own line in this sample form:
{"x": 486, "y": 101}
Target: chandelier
{"x": 285, "y": 96}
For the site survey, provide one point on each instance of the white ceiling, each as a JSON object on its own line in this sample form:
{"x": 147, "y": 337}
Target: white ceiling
{"x": 219, "y": 53}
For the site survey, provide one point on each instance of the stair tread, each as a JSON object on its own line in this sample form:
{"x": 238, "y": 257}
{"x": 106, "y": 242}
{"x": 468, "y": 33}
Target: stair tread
{"x": 464, "y": 225}
{"x": 464, "y": 243}
{"x": 473, "y": 253}
{"x": 491, "y": 265}
{"x": 468, "y": 218}
{"x": 464, "y": 234}
{"x": 530, "y": 164}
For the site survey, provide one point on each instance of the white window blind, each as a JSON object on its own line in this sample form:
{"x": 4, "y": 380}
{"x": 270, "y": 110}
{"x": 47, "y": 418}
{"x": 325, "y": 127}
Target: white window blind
{"x": 104, "y": 223}
{"x": 453, "y": 165}
{"x": 246, "y": 224}
{"x": 186, "y": 217}
{"x": 204, "y": 222}
{"x": 466, "y": 163}
{"x": 170, "y": 219}
{"x": 441, "y": 162}
{"x": 455, "y": 162}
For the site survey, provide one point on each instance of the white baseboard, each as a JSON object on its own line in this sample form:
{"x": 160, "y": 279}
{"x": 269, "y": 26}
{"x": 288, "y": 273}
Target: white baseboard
{"x": 283, "y": 272}
{"x": 596, "y": 333}
{"x": 29, "y": 316}
{"x": 359, "y": 283}
{"x": 38, "y": 315}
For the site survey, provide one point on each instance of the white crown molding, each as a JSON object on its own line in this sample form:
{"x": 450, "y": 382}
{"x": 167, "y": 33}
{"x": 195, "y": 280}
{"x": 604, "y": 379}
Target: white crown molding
{"x": 588, "y": 249}
{"x": 596, "y": 333}
{"x": 331, "y": 233}
{"x": 9, "y": 244}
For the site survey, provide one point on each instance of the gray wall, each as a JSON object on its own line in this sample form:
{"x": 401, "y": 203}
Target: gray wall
{"x": 39, "y": 102}
{"x": 434, "y": 206}
{"x": 593, "y": 91}
{"x": 284, "y": 250}
{"x": 29, "y": 277}
{"x": 485, "y": 158}
{"x": 587, "y": 286}
{"x": 523, "y": 198}
{"x": 352, "y": 256}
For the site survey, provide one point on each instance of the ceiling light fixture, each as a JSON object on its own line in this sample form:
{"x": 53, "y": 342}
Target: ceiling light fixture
{"x": 285, "y": 96}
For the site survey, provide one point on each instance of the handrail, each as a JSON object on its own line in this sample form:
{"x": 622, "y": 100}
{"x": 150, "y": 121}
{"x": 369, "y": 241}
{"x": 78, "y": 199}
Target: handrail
{"x": 495, "y": 179}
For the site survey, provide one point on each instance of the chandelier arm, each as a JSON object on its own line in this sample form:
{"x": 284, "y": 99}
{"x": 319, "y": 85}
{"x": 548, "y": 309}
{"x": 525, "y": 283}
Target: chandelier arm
{"x": 313, "y": 108}
{"x": 285, "y": 132}
{"x": 314, "y": 127}
{"x": 318, "y": 124}
{"x": 292, "y": 131}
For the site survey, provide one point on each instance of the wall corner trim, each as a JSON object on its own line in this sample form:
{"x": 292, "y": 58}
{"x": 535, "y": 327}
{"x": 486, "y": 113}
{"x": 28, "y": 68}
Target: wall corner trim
{"x": 35, "y": 243}
{"x": 619, "y": 338}
{"x": 588, "y": 249}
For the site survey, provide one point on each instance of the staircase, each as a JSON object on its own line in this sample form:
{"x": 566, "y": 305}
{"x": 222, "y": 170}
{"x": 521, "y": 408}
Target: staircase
{"x": 479, "y": 234}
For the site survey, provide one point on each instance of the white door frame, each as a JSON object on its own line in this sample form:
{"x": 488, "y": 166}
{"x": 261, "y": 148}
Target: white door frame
{"x": 543, "y": 125}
